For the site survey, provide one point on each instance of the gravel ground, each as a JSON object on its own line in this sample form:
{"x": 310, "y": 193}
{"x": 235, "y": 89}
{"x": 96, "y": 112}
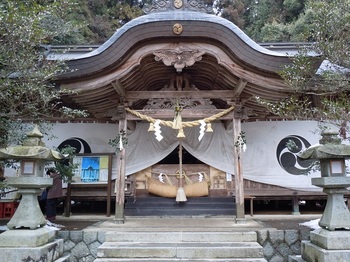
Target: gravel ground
{"x": 65, "y": 225}
{"x": 267, "y": 221}
{"x": 284, "y": 224}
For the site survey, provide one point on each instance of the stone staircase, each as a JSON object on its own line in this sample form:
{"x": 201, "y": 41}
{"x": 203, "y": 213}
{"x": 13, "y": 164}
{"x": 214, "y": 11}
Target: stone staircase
{"x": 166, "y": 246}
{"x": 198, "y": 206}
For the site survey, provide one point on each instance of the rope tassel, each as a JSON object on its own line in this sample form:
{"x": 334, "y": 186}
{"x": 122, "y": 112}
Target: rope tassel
{"x": 177, "y": 123}
{"x": 180, "y": 196}
{"x": 151, "y": 127}
{"x": 181, "y": 133}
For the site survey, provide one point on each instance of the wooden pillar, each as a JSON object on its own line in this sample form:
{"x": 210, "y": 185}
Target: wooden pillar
{"x": 238, "y": 172}
{"x": 67, "y": 205}
{"x": 109, "y": 186}
{"x": 295, "y": 203}
{"x": 120, "y": 181}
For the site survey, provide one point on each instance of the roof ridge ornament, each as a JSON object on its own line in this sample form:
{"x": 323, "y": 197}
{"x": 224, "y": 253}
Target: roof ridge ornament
{"x": 168, "y": 5}
{"x": 178, "y": 57}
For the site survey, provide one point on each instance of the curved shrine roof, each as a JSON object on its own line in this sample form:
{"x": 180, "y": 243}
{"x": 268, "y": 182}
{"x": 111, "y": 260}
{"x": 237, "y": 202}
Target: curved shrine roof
{"x": 196, "y": 26}
{"x": 175, "y": 54}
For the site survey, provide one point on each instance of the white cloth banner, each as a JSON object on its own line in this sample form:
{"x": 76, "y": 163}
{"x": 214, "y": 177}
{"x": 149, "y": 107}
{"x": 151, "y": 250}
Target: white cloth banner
{"x": 144, "y": 150}
{"x": 266, "y": 160}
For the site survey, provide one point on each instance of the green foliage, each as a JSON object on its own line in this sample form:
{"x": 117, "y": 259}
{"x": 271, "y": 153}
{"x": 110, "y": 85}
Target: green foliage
{"x": 300, "y": 29}
{"x": 324, "y": 96}
{"x": 330, "y": 29}
{"x": 274, "y": 32}
{"x": 19, "y": 129}
{"x": 3, "y": 185}
{"x": 299, "y": 74}
{"x": 292, "y": 9}
{"x": 67, "y": 168}
{"x": 258, "y": 14}
{"x": 241, "y": 141}
{"x": 26, "y": 90}
{"x": 273, "y": 21}
{"x": 102, "y": 18}
{"x": 230, "y": 10}
{"x": 98, "y": 20}
{"x": 293, "y": 107}
{"x": 119, "y": 141}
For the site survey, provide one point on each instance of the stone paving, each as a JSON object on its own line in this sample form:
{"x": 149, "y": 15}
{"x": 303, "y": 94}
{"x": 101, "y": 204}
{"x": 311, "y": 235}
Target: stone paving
{"x": 279, "y": 235}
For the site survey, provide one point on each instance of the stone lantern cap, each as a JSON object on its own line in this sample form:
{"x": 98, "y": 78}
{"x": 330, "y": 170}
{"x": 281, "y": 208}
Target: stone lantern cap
{"x": 32, "y": 148}
{"x": 330, "y": 147}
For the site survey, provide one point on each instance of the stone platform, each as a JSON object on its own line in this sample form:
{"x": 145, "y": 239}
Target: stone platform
{"x": 32, "y": 245}
{"x": 325, "y": 246}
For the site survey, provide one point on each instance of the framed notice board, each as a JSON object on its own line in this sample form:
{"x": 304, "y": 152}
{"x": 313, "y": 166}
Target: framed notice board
{"x": 92, "y": 168}
{"x": 92, "y": 180}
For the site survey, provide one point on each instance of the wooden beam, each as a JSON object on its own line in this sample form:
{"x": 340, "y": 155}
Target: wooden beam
{"x": 185, "y": 114}
{"x": 211, "y": 94}
{"x": 239, "y": 88}
{"x": 118, "y": 87}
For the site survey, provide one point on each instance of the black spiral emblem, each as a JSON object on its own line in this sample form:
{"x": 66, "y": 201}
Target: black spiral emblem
{"x": 80, "y": 145}
{"x": 287, "y": 157}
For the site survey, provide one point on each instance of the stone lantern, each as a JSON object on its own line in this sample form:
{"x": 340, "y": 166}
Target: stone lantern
{"x": 32, "y": 155}
{"x": 332, "y": 154}
{"x": 331, "y": 242}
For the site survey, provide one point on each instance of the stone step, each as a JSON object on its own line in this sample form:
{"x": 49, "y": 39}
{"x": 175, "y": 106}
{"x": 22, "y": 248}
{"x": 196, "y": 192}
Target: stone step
{"x": 170, "y": 237}
{"x": 151, "y": 201}
{"x": 160, "y": 206}
{"x": 195, "y": 250}
{"x": 180, "y": 259}
{"x": 179, "y": 212}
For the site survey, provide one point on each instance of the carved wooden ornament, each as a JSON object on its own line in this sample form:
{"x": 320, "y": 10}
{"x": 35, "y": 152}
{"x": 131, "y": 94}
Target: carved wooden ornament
{"x": 178, "y": 58}
{"x": 177, "y": 29}
{"x": 178, "y": 3}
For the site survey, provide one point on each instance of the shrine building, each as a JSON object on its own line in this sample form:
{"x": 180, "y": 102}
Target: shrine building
{"x": 175, "y": 126}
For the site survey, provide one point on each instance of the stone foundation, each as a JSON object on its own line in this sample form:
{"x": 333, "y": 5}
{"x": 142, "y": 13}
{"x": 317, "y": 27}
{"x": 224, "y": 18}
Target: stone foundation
{"x": 277, "y": 244}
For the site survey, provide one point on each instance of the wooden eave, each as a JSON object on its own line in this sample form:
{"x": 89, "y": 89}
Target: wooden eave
{"x": 123, "y": 71}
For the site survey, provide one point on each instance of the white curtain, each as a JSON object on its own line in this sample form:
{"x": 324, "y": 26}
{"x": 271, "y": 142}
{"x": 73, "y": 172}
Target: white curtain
{"x": 144, "y": 150}
{"x": 259, "y": 162}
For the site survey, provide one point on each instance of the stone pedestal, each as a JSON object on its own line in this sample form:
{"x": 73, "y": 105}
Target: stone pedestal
{"x": 31, "y": 245}
{"x": 325, "y": 246}
{"x": 119, "y": 214}
{"x": 28, "y": 213}
{"x": 336, "y": 214}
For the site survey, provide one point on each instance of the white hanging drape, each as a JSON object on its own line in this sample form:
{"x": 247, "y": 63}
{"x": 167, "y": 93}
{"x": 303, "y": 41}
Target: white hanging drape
{"x": 143, "y": 150}
{"x": 260, "y": 162}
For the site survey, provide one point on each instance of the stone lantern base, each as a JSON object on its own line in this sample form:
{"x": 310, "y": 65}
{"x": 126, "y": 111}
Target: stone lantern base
{"x": 325, "y": 246}
{"x": 32, "y": 245}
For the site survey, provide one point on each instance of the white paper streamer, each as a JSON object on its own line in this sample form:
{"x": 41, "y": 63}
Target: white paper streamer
{"x": 202, "y": 129}
{"x": 200, "y": 177}
{"x": 120, "y": 143}
{"x": 157, "y": 130}
{"x": 161, "y": 178}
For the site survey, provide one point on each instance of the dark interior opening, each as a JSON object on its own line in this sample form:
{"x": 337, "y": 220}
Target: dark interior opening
{"x": 173, "y": 158}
